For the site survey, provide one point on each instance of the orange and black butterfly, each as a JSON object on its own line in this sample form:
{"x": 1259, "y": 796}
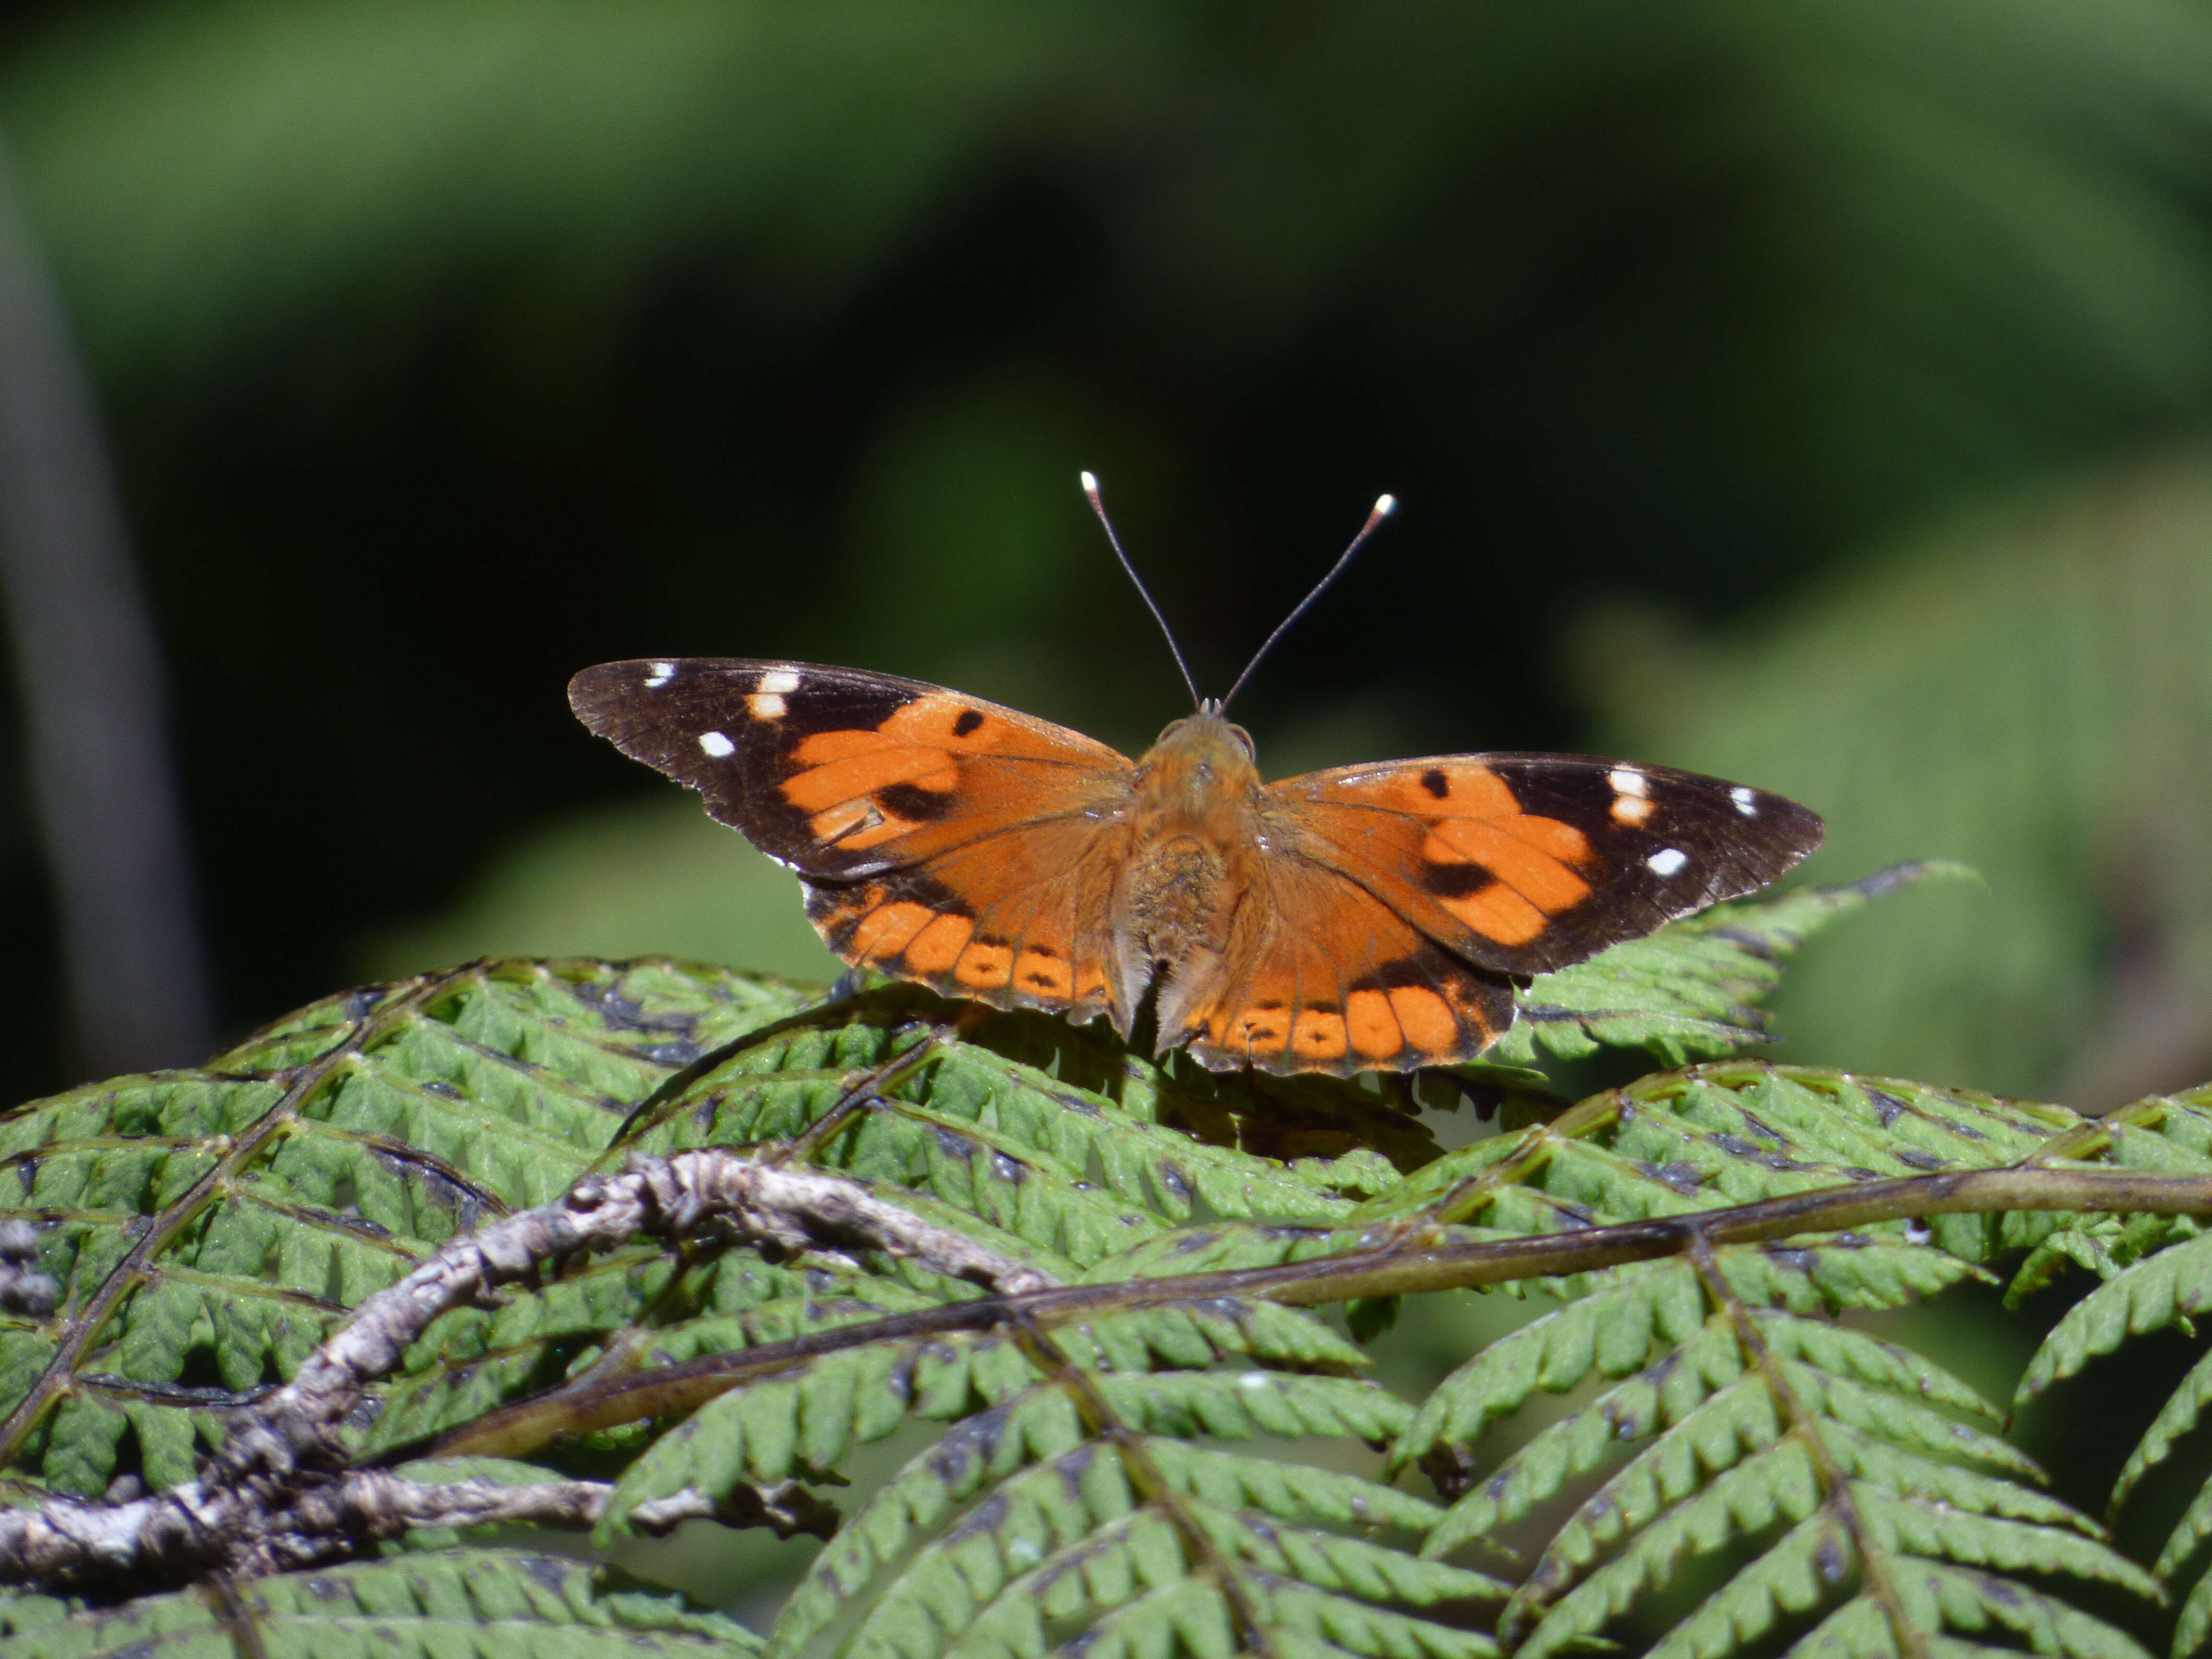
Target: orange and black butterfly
{"x": 1365, "y": 917}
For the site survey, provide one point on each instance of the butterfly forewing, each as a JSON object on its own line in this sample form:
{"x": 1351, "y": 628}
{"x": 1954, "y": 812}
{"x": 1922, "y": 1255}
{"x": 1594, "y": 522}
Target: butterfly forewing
{"x": 1524, "y": 863}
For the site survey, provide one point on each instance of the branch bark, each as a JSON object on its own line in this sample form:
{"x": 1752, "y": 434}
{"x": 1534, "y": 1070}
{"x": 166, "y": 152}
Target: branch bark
{"x": 281, "y": 1480}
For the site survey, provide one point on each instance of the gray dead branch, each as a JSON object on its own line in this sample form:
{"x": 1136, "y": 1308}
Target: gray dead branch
{"x": 280, "y": 1494}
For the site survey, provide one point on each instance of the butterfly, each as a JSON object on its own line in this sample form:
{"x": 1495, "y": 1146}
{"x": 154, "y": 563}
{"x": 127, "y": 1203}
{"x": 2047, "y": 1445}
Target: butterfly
{"x": 1367, "y": 917}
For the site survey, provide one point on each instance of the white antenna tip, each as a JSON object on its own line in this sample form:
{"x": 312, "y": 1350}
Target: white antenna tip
{"x": 1385, "y": 505}
{"x": 1089, "y": 483}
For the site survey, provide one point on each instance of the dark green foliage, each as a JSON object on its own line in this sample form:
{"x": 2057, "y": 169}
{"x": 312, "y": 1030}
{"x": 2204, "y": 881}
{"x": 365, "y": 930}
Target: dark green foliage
{"x": 422, "y": 1607}
{"x": 1134, "y": 1463}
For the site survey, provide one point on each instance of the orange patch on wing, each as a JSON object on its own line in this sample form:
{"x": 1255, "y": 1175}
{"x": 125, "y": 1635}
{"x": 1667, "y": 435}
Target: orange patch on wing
{"x": 863, "y": 775}
{"x": 887, "y": 932}
{"x": 888, "y": 826}
{"x": 1258, "y": 1031}
{"x": 820, "y": 748}
{"x": 1497, "y": 912}
{"x": 1041, "y": 974}
{"x": 1562, "y": 840}
{"x": 1470, "y": 791}
{"x": 1318, "y": 1034}
{"x": 936, "y": 720}
{"x": 985, "y": 965}
{"x": 1531, "y": 871}
{"x": 841, "y": 819}
{"x": 938, "y": 946}
{"x": 1426, "y": 1018}
{"x": 1371, "y": 1026}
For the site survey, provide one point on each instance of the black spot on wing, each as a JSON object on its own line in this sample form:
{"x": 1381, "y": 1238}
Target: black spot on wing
{"x": 968, "y": 720}
{"x": 1455, "y": 880}
{"x": 913, "y": 803}
{"x": 1435, "y": 783}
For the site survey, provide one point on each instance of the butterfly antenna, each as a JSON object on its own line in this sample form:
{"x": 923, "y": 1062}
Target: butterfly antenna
{"x": 1384, "y": 506}
{"x": 1090, "y": 490}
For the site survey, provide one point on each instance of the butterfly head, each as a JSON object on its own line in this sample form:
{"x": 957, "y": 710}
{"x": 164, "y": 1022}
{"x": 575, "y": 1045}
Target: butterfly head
{"x": 1198, "y": 759}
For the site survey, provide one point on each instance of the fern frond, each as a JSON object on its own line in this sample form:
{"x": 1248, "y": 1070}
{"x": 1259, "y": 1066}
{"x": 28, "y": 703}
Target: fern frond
{"x": 1043, "y": 1423}
{"x": 417, "y": 1607}
{"x": 1098, "y": 1482}
{"x": 802, "y": 1422}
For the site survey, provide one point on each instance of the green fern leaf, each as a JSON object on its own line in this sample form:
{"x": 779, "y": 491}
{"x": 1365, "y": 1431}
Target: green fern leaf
{"x": 1042, "y": 1423}
{"x": 220, "y": 1221}
{"x": 418, "y": 1607}
{"x": 2149, "y": 1296}
{"x": 1931, "y": 1596}
{"x": 1138, "y": 1574}
{"x": 1628, "y": 1316}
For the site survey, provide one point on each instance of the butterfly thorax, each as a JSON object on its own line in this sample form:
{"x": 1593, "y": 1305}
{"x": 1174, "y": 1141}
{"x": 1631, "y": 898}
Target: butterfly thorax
{"x": 1194, "y": 822}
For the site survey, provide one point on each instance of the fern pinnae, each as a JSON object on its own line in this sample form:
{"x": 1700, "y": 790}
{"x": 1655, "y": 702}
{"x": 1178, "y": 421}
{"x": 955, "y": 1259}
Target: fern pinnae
{"x": 1937, "y": 1594}
{"x": 1062, "y": 1515}
{"x": 1663, "y": 1395}
{"x": 2193, "y": 1629}
{"x": 1041, "y": 1424}
{"x": 1856, "y": 1472}
{"x": 419, "y": 1605}
{"x": 1565, "y": 1607}
{"x": 2149, "y": 1295}
{"x": 801, "y": 1421}
{"x": 1808, "y": 1565}
{"x": 1635, "y": 1307}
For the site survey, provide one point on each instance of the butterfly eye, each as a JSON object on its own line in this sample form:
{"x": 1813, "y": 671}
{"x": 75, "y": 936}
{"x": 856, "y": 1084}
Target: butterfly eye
{"x": 1243, "y": 741}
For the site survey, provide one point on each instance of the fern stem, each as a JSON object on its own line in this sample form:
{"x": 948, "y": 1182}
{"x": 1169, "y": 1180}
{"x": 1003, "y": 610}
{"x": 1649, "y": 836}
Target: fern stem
{"x": 1411, "y": 1263}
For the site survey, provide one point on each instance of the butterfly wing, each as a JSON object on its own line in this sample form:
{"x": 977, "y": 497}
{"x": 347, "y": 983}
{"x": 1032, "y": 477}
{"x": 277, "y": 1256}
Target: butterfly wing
{"x": 1523, "y": 864}
{"x": 1330, "y": 978}
{"x": 1396, "y": 903}
{"x": 940, "y": 837}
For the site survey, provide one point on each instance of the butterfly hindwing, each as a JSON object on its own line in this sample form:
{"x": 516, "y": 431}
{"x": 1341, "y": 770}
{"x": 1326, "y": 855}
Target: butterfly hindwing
{"x": 1524, "y": 863}
{"x": 1337, "y": 981}
{"x": 942, "y": 838}
{"x": 1017, "y": 921}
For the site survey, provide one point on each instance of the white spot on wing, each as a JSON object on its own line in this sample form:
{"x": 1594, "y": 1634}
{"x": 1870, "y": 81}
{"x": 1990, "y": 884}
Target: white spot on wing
{"x": 1628, "y": 781}
{"x": 1668, "y": 860}
{"x": 1631, "y": 808}
{"x": 662, "y": 673}
{"x": 1746, "y": 799}
{"x": 716, "y": 744}
{"x": 765, "y": 706}
{"x": 777, "y": 681}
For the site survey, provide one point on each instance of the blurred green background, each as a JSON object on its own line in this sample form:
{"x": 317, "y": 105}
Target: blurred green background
{"x": 1820, "y": 395}
{"x": 1812, "y": 394}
